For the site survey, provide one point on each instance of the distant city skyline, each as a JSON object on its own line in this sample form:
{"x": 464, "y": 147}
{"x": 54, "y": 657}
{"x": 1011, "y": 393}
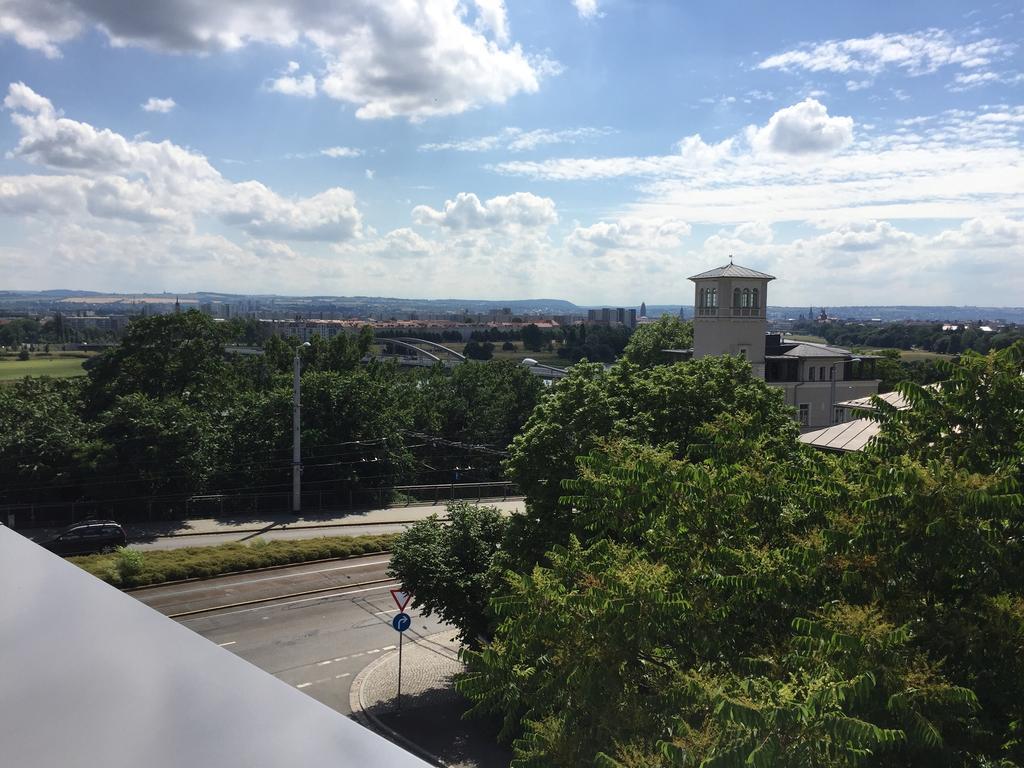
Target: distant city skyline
{"x": 600, "y": 150}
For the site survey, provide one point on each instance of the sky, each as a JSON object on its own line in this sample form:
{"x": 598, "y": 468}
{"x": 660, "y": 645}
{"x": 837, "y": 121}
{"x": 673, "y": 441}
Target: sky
{"x": 600, "y": 151}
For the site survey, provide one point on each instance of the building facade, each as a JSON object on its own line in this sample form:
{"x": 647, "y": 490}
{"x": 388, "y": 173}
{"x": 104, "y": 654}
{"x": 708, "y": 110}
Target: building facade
{"x": 729, "y": 318}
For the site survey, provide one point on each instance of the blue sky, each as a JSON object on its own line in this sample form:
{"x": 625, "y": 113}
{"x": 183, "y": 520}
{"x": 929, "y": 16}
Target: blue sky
{"x": 594, "y": 150}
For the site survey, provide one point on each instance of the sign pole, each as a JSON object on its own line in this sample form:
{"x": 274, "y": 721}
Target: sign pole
{"x": 400, "y": 636}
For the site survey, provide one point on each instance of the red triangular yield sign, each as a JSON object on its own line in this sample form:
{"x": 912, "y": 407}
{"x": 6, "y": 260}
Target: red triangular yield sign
{"x": 401, "y": 598}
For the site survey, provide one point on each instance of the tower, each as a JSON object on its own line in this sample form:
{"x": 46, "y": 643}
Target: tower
{"x": 643, "y": 309}
{"x": 729, "y": 313}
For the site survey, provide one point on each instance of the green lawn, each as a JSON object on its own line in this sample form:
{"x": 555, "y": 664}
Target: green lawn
{"x": 12, "y": 369}
{"x": 804, "y": 337}
{"x": 910, "y": 355}
{"x": 547, "y": 358}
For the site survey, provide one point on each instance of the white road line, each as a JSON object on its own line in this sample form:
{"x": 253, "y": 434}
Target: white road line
{"x": 208, "y": 587}
{"x": 225, "y": 645}
{"x": 340, "y": 658}
{"x": 343, "y": 674}
{"x": 375, "y": 650}
{"x": 382, "y": 613}
{"x": 323, "y": 663}
{"x": 291, "y": 602}
{"x": 389, "y": 648}
{"x": 303, "y": 685}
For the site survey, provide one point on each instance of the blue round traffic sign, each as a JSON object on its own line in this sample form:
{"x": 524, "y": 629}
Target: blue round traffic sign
{"x": 402, "y": 622}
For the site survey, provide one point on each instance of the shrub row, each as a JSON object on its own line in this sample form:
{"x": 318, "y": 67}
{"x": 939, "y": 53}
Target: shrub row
{"x": 133, "y": 568}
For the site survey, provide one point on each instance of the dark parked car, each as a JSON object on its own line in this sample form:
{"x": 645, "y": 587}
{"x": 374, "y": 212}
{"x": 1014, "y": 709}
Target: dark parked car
{"x": 87, "y": 537}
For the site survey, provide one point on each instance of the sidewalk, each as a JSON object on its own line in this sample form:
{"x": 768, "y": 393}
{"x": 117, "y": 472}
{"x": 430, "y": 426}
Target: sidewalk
{"x": 259, "y": 523}
{"x": 429, "y": 722}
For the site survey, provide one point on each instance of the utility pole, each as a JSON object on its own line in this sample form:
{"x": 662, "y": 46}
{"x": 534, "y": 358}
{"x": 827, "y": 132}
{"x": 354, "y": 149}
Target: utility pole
{"x": 296, "y": 434}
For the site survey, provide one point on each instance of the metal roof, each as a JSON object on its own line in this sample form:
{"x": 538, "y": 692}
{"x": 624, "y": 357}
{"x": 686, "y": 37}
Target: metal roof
{"x": 732, "y": 270}
{"x": 92, "y": 677}
{"x": 895, "y": 399}
{"x": 810, "y": 349}
{"x": 849, "y": 436}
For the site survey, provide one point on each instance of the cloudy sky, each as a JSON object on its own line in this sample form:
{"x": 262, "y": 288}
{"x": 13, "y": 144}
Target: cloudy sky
{"x": 593, "y": 150}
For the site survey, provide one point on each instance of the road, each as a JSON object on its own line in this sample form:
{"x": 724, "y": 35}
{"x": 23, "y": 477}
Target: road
{"x": 317, "y": 643}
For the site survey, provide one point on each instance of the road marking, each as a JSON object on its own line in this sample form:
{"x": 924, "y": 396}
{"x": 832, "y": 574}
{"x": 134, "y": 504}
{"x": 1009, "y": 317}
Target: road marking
{"x": 389, "y": 648}
{"x": 375, "y": 650}
{"x": 323, "y": 663}
{"x": 212, "y": 615}
{"x": 225, "y": 645}
{"x": 209, "y": 587}
{"x": 303, "y": 685}
{"x": 383, "y": 613}
{"x": 343, "y": 674}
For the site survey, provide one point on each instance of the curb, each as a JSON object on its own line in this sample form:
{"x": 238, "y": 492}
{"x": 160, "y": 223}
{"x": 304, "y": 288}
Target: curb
{"x": 362, "y": 714}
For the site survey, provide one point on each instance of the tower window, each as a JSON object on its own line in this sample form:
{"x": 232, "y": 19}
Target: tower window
{"x": 746, "y": 297}
{"x": 810, "y": 373}
{"x": 756, "y": 300}
{"x": 736, "y": 297}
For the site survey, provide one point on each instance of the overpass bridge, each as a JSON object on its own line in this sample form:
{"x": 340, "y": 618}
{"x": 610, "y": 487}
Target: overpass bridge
{"x": 413, "y": 352}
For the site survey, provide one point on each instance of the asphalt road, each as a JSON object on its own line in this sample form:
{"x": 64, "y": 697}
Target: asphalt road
{"x": 317, "y": 643}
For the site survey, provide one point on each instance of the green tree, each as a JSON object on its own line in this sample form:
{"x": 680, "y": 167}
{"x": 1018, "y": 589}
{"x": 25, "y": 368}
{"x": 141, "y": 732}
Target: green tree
{"x": 646, "y": 345}
{"x": 446, "y": 565}
{"x": 177, "y": 355}
{"x": 533, "y": 337}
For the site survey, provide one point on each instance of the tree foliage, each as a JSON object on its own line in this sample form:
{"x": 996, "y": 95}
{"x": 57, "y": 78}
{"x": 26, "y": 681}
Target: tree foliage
{"x": 729, "y": 598}
{"x": 646, "y": 345}
{"x": 445, "y": 565}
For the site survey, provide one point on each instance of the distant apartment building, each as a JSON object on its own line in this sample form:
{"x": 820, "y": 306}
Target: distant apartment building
{"x": 106, "y": 323}
{"x": 729, "y": 319}
{"x": 612, "y": 316}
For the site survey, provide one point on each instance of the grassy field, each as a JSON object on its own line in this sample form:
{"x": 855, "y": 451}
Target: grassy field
{"x": 805, "y": 337}
{"x": 910, "y": 355}
{"x": 548, "y": 358}
{"x": 12, "y": 369}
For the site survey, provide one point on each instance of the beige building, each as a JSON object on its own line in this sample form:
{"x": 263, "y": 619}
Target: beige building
{"x": 729, "y": 319}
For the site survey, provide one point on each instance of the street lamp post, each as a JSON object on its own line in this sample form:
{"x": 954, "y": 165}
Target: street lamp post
{"x": 296, "y": 435}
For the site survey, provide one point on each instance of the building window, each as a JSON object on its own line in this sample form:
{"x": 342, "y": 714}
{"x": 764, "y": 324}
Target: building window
{"x": 804, "y": 414}
{"x": 736, "y": 297}
{"x": 756, "y": 300}
{"x": 831, "y": 373}
{"x": 810, "y": 373}
{"x": 839, "y": 415}
{"x": 714, "y": 298}
{"x": 700, "y": 298}
{"x": 746, "y": 298}
{"x": 821, "y": 371}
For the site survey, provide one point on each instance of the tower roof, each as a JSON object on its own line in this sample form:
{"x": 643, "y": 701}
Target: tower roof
{"x": 732, "y": 270}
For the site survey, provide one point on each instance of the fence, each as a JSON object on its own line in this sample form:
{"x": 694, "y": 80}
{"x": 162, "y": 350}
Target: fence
{"x": 48, "y": 515}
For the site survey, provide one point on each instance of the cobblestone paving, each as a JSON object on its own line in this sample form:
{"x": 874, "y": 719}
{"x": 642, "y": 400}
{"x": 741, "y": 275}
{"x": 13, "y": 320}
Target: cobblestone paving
{"x": 430, "y": 715}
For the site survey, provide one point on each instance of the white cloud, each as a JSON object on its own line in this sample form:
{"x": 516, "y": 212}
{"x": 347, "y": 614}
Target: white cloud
{"x": 416, "y": 59}
{"x": 631, "y": 235}
{"x": 802, "y": 129}
{"x": 858, "y": 85}
{"x": 341, "y": 152}
{"x": 304, "y": 86}
{"x": 520, "y": 210}
{"x": 916, "y": 53}
{"x": 587, "y": 9}
{"x": 518, "y": 140}
{"x": 108, "y": 177}
{"x": 159, "y": 105}
{"x": 369, "y": 174}
{"x": 694, "y": 149}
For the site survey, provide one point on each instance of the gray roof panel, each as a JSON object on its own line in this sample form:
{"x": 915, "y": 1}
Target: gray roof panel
{"x": 848, "y": 436}
{"x": 92, "y": 677}
{"x": 732, "y": 270}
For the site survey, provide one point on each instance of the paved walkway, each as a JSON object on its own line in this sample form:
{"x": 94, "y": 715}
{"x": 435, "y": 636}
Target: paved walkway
{"x": 429, "y": 720}
{"x": 264, "y": 522}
